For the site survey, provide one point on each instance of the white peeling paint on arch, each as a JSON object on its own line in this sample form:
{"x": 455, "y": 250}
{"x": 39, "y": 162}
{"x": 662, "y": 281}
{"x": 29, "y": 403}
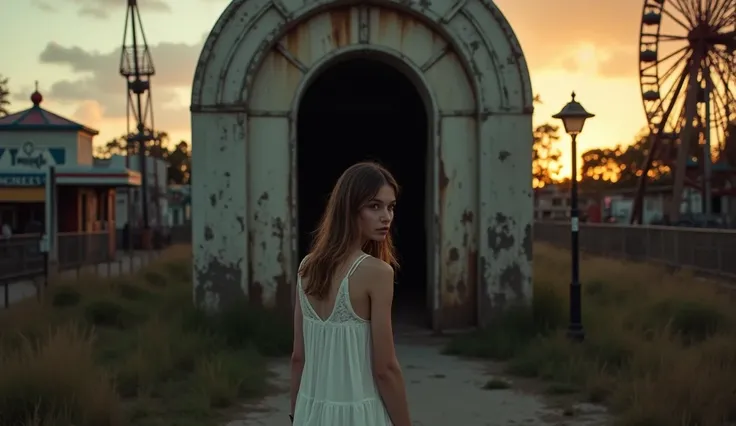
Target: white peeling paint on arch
{"x": 261, "y": 54}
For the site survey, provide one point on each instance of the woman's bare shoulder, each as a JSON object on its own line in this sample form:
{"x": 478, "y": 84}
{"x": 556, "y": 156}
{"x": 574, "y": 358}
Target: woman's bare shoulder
{"x": 375, "y": 268}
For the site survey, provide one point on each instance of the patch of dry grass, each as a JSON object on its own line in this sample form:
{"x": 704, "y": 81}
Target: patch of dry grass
{"x": 131, "y": 350}
{"x": 55, "y": 379}
{"x": 660, "y": 348}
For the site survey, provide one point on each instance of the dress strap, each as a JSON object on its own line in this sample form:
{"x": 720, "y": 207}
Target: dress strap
{"x": 298, "y": 275}
{"x": 356, "y": 263}
{"x": 303, "y": 260}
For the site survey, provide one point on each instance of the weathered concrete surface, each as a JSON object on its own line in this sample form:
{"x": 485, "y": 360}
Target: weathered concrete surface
{"x": 124, "y": 264}
{"x": 442, "y": 391}
{"x": 257, "y": 62}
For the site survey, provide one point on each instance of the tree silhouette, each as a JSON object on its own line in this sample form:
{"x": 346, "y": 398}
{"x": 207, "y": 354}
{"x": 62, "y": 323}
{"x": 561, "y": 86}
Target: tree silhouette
{"x": 545, "y": 155}
{"x": 178, "y": 158}
{"x": 119, "y": 146}
{"x": 180, "y": 164}
{"x": 620, "y": 166}
{"x": 4, "y": 96}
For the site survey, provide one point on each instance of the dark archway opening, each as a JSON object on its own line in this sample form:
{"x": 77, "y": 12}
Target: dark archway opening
{"x": 363, "y": 109}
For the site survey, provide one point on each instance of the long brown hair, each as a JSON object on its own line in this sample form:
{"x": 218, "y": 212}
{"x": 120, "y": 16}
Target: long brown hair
{"x": 338, "y": 230}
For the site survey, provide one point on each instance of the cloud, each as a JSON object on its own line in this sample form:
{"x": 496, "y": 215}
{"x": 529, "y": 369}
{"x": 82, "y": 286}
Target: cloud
{"x": 174, "y": 63}
{"x": 90, "y": 113}
{"x": 607, "y": 62}
{"x": 551, "y": 31}
{"x": 618, "y": 62}
{"x": 99, "y": 92}
{"x": 99, "y": 9}
{"x": 43, "y": 5}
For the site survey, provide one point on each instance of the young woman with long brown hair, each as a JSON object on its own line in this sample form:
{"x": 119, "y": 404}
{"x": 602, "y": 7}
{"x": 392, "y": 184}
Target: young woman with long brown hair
{"x": 344, "y": 368}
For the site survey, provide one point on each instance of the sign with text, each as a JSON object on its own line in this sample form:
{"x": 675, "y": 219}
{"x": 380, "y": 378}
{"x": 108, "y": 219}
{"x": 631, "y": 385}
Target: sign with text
{"x": 30, "y": 156}
{"x": 23, "y": 179}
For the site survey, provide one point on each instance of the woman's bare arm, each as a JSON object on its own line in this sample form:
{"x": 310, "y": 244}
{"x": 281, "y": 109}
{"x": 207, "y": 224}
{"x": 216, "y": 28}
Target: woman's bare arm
{"x": 386, "y": 369}
{"x": 297, "y": 354}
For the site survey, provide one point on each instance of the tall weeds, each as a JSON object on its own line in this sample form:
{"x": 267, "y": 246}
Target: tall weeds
{"x": 56, "y": 378}
{"x": 131, "y": 350}
{"x": 660, "y": 348}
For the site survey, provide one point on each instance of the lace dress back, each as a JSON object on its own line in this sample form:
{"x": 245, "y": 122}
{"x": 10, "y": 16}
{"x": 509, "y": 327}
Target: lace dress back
{"x": 337, "y": 386}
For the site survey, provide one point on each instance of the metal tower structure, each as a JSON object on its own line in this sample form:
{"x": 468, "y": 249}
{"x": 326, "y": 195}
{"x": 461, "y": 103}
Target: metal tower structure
{"x": 136, "y": 66}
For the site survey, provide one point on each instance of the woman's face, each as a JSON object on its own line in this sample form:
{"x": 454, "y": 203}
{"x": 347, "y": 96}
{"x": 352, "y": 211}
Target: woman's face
{"x": 376, "y": 215}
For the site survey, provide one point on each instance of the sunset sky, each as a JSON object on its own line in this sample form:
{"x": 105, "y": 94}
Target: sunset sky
{"x": 72, "y": 47}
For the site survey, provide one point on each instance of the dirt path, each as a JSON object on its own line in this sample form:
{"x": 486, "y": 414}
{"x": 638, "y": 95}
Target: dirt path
{"x": 442, "y": 391}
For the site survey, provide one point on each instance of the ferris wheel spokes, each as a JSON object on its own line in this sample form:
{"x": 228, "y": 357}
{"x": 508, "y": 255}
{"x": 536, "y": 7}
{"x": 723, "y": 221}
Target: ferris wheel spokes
{"x": 687, "y": 88}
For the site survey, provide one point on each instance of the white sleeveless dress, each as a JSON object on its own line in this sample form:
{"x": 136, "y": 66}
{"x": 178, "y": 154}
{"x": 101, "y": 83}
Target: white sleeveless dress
{"x": 337, "y": 387}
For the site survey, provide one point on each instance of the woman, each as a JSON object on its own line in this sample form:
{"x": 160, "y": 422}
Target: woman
{"x": 344, "y": 368}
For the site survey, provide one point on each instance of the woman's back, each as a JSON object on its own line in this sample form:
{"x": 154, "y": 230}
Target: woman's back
{"x": 337, "y": 384}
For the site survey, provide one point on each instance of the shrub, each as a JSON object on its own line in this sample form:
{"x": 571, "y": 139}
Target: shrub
{"x": 56, "y": 380}
{"x": 550, "y": 358}
{"x": 691, "y": 320}
{"x": 226, "y": 377}
{"x": 65, "y": 296}
{"x": 179, "y": 270}
{"x": 513, "y": 329}
{"x": 497, "y": 384}
{"x": 153, "y": 359}
{"x": 243, "y": 326}
{"x": 132, "y": 292}
{"x": 108, "y": 313}
{"x": 155, "y": 278}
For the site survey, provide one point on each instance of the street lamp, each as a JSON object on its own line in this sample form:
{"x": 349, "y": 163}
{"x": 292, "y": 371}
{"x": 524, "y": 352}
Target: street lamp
{"x": 573, "y": 116}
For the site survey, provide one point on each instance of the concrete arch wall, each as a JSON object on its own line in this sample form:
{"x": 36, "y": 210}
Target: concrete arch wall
{"x": 245, "y": 245}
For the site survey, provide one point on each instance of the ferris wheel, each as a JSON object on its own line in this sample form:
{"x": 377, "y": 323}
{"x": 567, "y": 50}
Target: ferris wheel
{"x": 687, "y": 74}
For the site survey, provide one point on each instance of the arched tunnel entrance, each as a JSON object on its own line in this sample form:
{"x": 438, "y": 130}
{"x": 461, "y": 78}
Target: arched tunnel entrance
{"x": 364, "y": 109}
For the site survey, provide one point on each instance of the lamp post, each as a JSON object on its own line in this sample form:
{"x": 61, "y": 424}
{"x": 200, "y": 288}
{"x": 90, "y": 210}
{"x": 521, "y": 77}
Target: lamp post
{"x": 573, "y": 116}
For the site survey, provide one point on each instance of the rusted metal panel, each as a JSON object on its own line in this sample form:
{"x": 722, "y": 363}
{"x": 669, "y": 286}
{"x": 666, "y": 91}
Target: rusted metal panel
{"x": 506, "y": 207}
{"x": 273, "y": 231}
{"x": 219, "y": 209}
{"x": 222, "y": 51}
{"x": 322, "y": 34}
{"x": 269, "y": 219}
{"x": 275, "y": 84}
{"x": 404, "y": 33}
{"x": 455, "y": 98}
{"x": 512, "y": 65}
{"x": 239, "y": 27}
{"x": 455, "y": 190}
{"x": 497, "y": 60}
{"x": 238, "y": 79}
{"x": 492, "y": 87}
{"x": 458, "y": 203}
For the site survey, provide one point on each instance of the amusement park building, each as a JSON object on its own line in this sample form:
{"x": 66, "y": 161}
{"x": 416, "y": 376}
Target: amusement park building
{"x": 35, "y": 142}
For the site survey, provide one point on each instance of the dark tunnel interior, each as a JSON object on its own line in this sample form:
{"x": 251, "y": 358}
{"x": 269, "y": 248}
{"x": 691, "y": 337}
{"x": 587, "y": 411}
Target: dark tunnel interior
{"x": 364, "y": 109}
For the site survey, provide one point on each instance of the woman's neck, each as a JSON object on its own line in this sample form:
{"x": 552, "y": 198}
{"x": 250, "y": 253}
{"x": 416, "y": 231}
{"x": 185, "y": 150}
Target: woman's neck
{"x": 358, "y": 246}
